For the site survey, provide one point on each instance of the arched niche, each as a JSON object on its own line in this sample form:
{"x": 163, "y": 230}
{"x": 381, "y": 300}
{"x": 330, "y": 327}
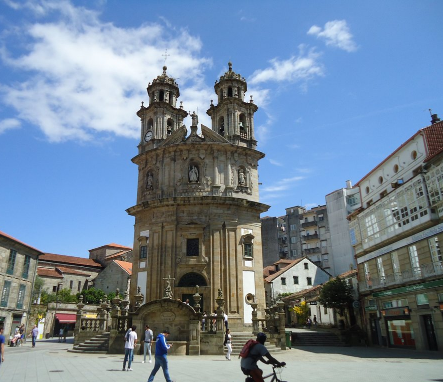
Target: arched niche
{"x": 192, "y": 279}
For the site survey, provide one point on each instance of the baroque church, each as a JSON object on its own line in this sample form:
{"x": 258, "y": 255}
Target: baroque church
{"x": 197, "y": 217}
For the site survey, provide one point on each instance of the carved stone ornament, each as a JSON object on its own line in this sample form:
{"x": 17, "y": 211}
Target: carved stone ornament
{"x": 201, "y": 154}
{"x": 193, "y": 174}
{"x": 149, "y": 181}
{"x": 185, "y": 154}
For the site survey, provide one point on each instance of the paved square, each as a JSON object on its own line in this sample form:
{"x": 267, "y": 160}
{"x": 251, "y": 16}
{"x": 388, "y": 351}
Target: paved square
{"x": 49, "y": 361}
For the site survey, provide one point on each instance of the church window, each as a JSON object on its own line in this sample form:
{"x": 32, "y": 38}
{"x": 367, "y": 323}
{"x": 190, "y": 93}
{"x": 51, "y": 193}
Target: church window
{"x": 242, "y": 126}
{"x": 192, "y": 247}
{"x": 230, "y": 91}
{"x": 221, "y": 126}
{"x": 248, "y": 250}
{"x": 161, "y": 96}
{"x": 170, "y": 126}
{"x": 150, "y": 123}
{"x": 143, "y": 252}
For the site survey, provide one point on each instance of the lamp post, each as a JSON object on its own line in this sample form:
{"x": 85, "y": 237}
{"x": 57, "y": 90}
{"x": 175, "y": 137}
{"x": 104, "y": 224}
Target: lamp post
{"x": 60, "y": 284}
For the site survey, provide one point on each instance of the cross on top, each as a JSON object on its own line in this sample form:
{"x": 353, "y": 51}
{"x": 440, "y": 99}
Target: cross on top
{"x": 169, "y": 278}
{"x": 166, "y": 55}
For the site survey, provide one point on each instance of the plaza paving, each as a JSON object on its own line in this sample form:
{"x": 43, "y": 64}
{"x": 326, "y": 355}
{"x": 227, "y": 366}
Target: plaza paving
{"x": 49, "y": 361}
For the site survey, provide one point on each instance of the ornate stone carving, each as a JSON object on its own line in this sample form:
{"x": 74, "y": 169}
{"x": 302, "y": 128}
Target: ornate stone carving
{"x": 149, "y": 181}
{"x": 193, "y": 174}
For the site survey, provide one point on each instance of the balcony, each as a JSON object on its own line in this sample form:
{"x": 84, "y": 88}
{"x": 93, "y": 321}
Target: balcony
{"x": 309, "y": 224}
{"x": 311, "y": 250}
{"x": 418, "y": 273}
{"x": 310, "y": 237}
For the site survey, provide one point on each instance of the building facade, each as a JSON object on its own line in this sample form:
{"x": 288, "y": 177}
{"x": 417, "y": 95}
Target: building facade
{"x": 18, "y": 268}
{"x": 274, "y": 239}
{"x": 197, "y": 217}
{"x": 339, "y": 205}
{"x": 396, "y": 235}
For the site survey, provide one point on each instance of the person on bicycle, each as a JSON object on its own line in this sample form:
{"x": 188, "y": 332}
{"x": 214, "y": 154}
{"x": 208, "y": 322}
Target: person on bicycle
{"x": 257, "y": 352}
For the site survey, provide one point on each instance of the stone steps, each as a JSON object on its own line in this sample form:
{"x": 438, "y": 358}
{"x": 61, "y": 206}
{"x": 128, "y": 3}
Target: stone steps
{"x": 97, "y": 345}
{"x": 316, "y": 339}
{"x": 240, "y": 338}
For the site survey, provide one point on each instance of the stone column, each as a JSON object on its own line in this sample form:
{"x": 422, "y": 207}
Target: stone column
{"x": 281, "y": 327}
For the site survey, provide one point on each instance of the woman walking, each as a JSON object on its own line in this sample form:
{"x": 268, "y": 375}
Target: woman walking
{"x": 228, "y": 339}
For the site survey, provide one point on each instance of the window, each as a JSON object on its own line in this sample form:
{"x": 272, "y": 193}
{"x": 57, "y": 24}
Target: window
{"x": 54, "y": 288}
{"x": 192, "y": 247}
{"x": 309, "y": 280}
{"x": 5, "y": 293}
{"x": 295, "y": 278}
{"x": 21, "y": 296}
{"x": 293, "y": 239}
{"x": 144, "y": 251}
{"x": 248, "y": 246}
{"x": 434, "y": 247}
{"x": 321, "y": 218}
{"x": 71, "y": 284}
{"x": 26, "y": 264}
{"x": 283, "y": 281}
{"x": 395, "y": 264}
{"x": 367, "y": 190}
{"x": 79, "y": 287}
{"x": 413, "y": 256}
{"x": 414, "y": 155}
{"x": 11, "y": 262}
{"x": 380, "y": 180}
{"x": 247, "y": 250}
{"x": 293, "y": 252}
{"x": 381, "y": 270}
{"x": 396, "y": 168}
{"x": 292, "y": 227}
{"x": 422, "y": 300}
{"x": 306, "y": 265}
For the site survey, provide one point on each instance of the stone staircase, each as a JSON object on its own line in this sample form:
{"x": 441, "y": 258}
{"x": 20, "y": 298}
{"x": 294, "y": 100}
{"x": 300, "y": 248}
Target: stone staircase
{"x": 98, "y": 345}
{"x": 315, "y": 338}
{"x": 240, "y": 338}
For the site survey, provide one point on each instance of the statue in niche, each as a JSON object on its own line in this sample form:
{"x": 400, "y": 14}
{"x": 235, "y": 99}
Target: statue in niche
{"x": 193, "y": 174}
{"x": 241, "y": 178}
{"x": 149, "y": 181}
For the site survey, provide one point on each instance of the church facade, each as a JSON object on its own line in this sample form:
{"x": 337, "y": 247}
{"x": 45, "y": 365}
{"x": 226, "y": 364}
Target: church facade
{"x": 197, "y": 217}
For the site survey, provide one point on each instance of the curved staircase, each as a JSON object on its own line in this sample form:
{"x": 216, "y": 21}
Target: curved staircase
{"x": 96, "y": 345}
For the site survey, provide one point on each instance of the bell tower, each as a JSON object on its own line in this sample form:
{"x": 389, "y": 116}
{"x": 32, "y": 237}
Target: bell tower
{"x": 162, "y": 116}
{"x": 233, "y": 118}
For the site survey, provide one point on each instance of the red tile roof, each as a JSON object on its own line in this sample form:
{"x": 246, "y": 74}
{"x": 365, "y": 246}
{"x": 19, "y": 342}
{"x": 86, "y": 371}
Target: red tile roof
{"x": 434, "y": 139}
{"x": 49, "y": 272}
{"x": 112, "y": 245}
{"x": 350, "y": 273}
{"x": 303, "y": 292}
{"x": 269, "y": 270}
{"x": 18, "y": 241}
{"x": 117, "y": 254}
{"x": 81, "y": 261}
{"x": 73, "y": 271}
{"x": 126, "y": 266}
{"x": 276, "y": 274}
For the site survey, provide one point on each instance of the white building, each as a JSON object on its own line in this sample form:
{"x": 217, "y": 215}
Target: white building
{"x": 340, "y": 204}
{"x": 296, "y": 276}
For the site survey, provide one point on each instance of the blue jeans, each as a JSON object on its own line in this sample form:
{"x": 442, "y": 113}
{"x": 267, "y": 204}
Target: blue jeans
{"x": 163, "y": 362}
{"x": 129, "y": 356}
{"x": 33, "y": 341}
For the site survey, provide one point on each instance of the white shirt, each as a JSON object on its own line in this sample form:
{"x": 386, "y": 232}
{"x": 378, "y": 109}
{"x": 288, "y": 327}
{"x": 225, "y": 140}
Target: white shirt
{"x": 132, "y": 336}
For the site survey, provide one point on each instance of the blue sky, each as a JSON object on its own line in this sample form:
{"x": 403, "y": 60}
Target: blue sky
{"x": 339, "y": 86}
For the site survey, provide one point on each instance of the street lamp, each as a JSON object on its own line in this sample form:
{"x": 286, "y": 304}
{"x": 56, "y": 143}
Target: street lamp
{"x": 59, "y": 285}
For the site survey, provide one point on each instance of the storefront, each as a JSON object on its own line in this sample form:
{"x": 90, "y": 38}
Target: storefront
{"x": 400, "y": 332}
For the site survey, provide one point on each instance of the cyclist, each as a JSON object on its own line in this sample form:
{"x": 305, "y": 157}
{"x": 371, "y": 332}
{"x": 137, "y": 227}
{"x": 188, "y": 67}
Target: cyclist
{"x": 257, "y": 352}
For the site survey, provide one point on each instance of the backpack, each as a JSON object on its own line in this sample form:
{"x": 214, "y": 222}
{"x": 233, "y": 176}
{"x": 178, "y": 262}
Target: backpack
{"x": 244, "y": 353}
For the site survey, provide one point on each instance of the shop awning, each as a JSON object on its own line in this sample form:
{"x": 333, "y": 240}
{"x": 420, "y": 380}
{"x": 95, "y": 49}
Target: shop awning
{"x": 64, "y": 318}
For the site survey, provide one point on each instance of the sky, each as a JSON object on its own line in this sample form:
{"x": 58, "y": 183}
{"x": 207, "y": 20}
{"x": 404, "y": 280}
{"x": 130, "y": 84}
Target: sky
{"x": 339, "y": 86}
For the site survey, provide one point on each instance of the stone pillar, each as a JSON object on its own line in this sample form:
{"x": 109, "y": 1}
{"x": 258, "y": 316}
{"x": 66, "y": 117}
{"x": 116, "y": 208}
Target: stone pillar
{"x": 78, "y": 319}
{"x": 281, "y": 326}
{"x": 255, "y": 328}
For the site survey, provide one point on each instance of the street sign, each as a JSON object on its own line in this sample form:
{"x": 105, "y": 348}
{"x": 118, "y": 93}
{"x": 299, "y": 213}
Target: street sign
{"x": 356, "y": 304}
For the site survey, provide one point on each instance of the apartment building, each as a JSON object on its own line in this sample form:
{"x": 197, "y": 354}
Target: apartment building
{"x": 396, "y": 235}
{"x": 274, "y": 239}
{"x": 309, "y": 235}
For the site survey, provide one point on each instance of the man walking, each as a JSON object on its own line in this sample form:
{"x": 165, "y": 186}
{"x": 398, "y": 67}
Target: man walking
{"x": 161, "y": 352}
{"x": 2, "y": 345}
{"x": 147, "y": 346}
{"x": 130, "y": 342}
{"x": 34, "y": 334}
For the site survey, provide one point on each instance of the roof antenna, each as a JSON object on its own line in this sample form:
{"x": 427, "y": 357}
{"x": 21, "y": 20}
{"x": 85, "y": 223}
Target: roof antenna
{"x": 434, "y": 117}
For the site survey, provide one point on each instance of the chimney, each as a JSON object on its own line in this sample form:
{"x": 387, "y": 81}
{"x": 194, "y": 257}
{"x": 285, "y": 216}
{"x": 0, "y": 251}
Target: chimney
{"x": 434, "y": 118}
{"x": 348, "y": 184}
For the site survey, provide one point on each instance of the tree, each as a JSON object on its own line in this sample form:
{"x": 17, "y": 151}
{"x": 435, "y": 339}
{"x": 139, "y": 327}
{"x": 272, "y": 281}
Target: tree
{"x": 92, "y": 296}
{"x": 336, "y": 294}
{"x": 38, "y": 289}
{"x": 302, "y": 312}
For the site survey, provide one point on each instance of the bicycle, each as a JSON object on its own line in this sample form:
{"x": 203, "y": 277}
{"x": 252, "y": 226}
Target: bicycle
{"x": 274, "y": 376}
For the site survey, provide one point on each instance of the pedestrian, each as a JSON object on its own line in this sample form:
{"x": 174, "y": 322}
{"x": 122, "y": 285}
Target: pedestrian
{"x": 204, "y": 321}
{"x": 187, "y": 301}
{"x": 308, "y": 322}
{"x": 65, "y": 333}
{"x": 161, "y": 356}
{"x": 147, "y": 345}
{"x": 225, "y": 319}
{"x": 21, "y": 330}
{"x": 315, "y": 320}
{"x": 34, "y": 334}
{"x": 2, "y": 345}
{"x": 130, "y": 342}
{"x": 228, "y": 344}
{"x": 60, "y": 335}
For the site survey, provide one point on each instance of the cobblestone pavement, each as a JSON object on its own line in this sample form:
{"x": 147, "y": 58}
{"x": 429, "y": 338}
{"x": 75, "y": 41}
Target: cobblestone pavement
{"x": 50, "y": 361}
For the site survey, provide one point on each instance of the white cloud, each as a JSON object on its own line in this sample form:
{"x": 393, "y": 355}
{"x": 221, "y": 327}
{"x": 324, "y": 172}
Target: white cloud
{"x": 274, "y": 162}
{"x": 8, "y": 124}
{"x": 335, "y": 33}
{"x": 301, "y": 68}
{"x": 282, "y": 184}
{"x": 84, "y": 77}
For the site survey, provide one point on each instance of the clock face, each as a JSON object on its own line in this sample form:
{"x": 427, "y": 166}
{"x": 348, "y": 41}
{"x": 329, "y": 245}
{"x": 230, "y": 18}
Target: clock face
{"x": 148, "y": 136}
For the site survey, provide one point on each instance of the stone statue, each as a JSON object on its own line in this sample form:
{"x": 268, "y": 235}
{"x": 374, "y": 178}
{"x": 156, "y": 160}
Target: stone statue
{"x": 193, "y": 174}
{"x": 194, "y": 119}
{"x": 149, "y": 181}
{"x": 168, "y": 290}
{"x": 241, "y": 178}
